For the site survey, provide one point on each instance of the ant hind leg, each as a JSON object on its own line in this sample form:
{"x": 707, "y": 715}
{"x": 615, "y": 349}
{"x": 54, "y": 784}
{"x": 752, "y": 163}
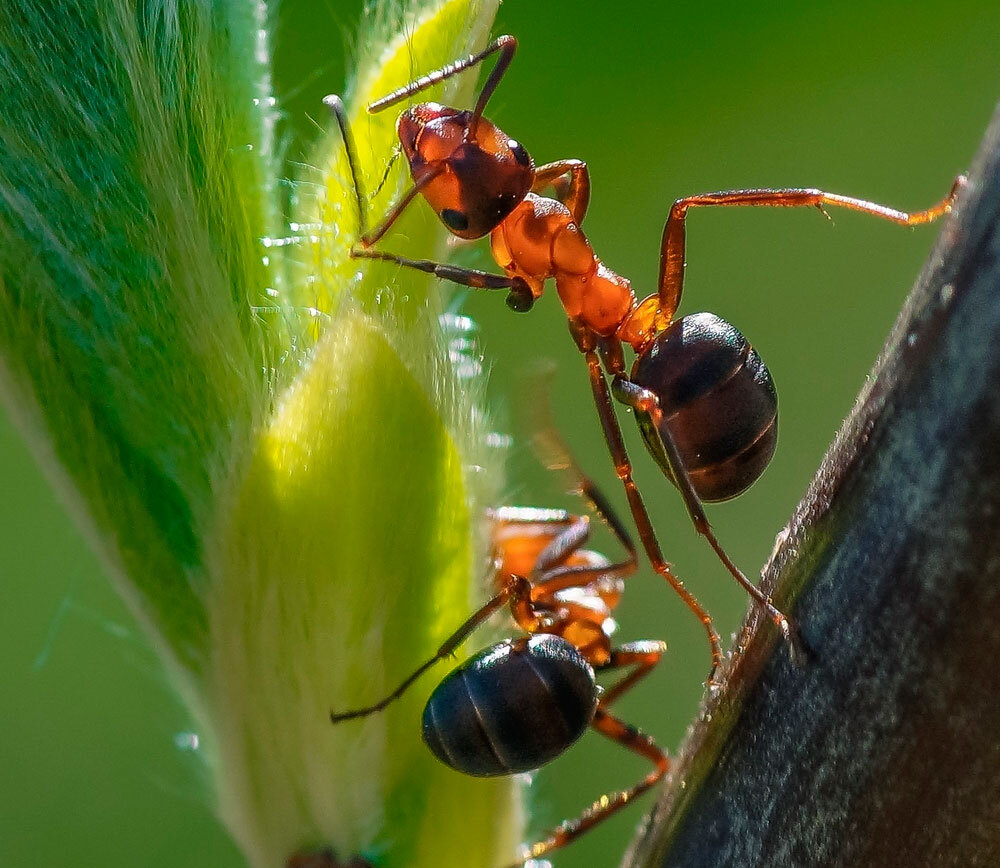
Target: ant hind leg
{"x": 672, "y": 245}
{"x": 631, "y": 739}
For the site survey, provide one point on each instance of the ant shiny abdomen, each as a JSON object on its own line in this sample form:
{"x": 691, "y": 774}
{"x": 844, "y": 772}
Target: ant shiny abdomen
{"x": 520, "y": 703}
{"x": 479, "y": 181}
{"x": 718, "y": 402}
{"x": 513, "y": 707}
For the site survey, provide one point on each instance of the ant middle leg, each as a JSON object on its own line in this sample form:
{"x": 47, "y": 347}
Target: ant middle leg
{"x": 520, "y": 298}
{"x": 644, "y": 401}
{"x": 671, "y": 280}
{"x": 640, "y": 515}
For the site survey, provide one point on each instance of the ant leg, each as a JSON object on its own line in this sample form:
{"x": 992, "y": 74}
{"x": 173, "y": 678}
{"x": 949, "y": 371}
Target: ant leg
{"x": 644, "y": 655}
{"x": 515, "y": 591}
{"x": 553, "y": 452}
{"x": 575, "y": 195}
{"x": 371, "y": 236}
{"x": 623, "y": 467}
{"x": 563, "y": 546}
{"x": 560, "y": 577}
{"x": 549, "y": 574}
{"x": 630, "y": 738}
{"x": 644, "y": 401}
{"x": 672, "y": 246}
{"x": 519, "y": 298}
{"x": 538, "y": 610}
{"x": 506, "y": 45}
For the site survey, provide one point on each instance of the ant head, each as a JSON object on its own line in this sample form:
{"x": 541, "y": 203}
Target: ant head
{"x": 478, "y": 175}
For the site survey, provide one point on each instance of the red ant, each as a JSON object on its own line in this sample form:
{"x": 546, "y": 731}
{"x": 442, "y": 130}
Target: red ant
{"x": 704, "y": 400}
{"x": 518, "y": 704}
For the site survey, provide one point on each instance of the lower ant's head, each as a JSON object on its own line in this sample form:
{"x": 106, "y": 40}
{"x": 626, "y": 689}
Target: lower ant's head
{"x": 471, "y": 173}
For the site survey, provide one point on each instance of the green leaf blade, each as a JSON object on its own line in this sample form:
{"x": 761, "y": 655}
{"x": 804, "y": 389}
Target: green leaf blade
{"x": 127, "y": 260}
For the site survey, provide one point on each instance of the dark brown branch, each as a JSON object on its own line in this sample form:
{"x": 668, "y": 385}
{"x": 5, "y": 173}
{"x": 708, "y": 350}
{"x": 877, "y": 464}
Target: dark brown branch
{"x": 884, "y": 748}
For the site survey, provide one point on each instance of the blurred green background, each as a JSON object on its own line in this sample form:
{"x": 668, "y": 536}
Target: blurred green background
{"x": 885, "y": 100}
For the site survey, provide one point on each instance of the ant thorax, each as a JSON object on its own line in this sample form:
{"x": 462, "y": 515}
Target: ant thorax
{"x": 540, "y": 239}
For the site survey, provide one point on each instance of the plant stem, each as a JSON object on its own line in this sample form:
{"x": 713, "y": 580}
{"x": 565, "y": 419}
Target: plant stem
{"x": 881, "y": 748}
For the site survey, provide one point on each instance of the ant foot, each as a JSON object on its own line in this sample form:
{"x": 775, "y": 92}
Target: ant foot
{"x": 798, "y": 651}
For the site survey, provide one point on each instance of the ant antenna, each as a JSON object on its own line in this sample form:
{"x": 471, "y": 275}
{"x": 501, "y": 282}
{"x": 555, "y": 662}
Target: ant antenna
{"x": 336, "y": 105}
{"x": 506, "y": 45}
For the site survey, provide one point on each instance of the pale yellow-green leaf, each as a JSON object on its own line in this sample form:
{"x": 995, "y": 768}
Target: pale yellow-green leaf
{"x": 267, "y": 441}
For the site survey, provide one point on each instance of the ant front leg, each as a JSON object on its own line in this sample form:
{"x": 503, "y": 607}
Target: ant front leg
{"x": 574, "y": 194}
{"x": 516, "y": 592}
{"x": 672, "y": 245}
{"x": 520, "y": 298}
{"x": 644, "y": 655}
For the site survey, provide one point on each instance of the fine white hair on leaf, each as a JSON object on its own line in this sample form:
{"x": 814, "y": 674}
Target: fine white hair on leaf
{"x": 269, "y": 445}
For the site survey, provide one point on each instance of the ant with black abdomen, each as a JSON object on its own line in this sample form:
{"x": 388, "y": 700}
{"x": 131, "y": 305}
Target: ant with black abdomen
{"x": 704, "y": 400}
{"x": 518, "y": 704}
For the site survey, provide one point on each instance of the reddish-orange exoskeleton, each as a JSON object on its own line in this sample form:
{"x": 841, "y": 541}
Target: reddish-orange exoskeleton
{"x": 705, "y": 402}
{"x": 518, "y": 704}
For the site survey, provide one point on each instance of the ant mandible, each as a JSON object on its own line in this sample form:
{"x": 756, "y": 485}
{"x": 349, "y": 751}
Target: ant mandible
{"x": 704, "y": 401}
{"x": 518, "y": 704}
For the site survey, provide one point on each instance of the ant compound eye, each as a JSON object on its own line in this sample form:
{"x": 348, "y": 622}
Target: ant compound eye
{"x": 455, "y": 220}
{"x": 520, "y": 154}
